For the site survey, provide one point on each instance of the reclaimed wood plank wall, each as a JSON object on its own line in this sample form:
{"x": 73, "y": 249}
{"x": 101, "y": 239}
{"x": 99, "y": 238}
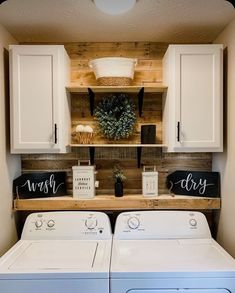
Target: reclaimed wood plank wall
{"x": 105, "y": 158}
{"x": 149, "y": 55}
{"x": 148, "y": 71}
{"x": 152, "y": 114}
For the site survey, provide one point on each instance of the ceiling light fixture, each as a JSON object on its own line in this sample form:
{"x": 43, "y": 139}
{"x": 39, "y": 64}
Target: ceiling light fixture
{"x": 232, "y": 2}
{"x": 114, "y": 7}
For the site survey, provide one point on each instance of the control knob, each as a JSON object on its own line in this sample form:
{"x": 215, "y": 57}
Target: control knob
{"x": 50, "y": 223}
{"x": 193, "y": 222}
{"x": 133, "y": 223}
{"x": 91, "y": 223}
{"x": 38, "y": 223}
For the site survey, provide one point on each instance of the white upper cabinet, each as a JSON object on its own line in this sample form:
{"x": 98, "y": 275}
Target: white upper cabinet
{"x": 40, "y": 110}
{"x": 193, "y": 105}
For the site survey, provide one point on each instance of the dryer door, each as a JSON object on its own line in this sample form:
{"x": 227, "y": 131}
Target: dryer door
{"x": 180, "y": 291}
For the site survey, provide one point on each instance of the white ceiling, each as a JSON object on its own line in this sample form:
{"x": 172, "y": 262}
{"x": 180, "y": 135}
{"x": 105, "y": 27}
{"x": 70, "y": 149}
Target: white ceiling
{"x": 174, "y": 21}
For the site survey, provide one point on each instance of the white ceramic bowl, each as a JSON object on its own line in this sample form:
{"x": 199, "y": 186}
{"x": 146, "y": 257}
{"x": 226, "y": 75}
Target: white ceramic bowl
{"x": 113, "y": 67}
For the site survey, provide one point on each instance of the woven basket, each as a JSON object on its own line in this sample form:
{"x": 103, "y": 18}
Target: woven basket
{"x": 113, "y": 71}
{"x": 84, "y": 137}
{"x": 114, "y": 81}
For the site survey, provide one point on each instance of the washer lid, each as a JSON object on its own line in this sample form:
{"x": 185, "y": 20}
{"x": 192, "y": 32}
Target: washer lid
{"x": 56, "y": 255}
{"x": 153, "y": 258}
{"x": 57, "y": 259}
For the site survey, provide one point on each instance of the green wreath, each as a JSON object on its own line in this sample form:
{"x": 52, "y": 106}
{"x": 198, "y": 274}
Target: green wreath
{"x": 116, "y": 116}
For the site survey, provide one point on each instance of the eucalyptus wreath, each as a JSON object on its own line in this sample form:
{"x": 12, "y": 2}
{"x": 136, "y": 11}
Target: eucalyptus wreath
{"x": 116, "y": 116}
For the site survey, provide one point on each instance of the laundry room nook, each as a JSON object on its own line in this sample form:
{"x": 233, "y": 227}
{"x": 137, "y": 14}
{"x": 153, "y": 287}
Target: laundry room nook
{"x": 116, "y": 147}
{"x": 130, "y": 154}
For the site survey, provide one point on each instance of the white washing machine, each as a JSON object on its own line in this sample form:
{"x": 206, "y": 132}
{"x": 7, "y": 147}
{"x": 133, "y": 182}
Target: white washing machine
{"x": 168, "y": 252}
{"x": 59, "y": 252}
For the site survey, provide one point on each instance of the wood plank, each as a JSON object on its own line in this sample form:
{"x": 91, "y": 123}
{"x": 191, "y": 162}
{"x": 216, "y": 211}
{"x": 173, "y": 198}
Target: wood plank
{"x": 140, "y": 50}
{"x": 119, "y": 145}
{"x": 148, "y": 64}
{"x": 131, "y": 202}
{"x": 75, "y": 88}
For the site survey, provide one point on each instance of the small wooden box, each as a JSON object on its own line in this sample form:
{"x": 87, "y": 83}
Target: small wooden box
{"x": 148, "y": 134}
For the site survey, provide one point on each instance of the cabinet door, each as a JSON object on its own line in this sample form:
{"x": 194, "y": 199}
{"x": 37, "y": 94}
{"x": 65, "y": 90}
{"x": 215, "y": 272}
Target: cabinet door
{"x": 33, "y": 98}
{"x": 198, "y": 97}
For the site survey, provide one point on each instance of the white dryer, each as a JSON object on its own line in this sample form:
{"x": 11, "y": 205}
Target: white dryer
{"x": 59, "y": 252}
{"x": 168, "y": 252}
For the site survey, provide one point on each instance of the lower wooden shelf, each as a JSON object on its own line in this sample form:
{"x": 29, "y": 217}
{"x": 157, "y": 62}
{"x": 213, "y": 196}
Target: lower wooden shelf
{"x": 112, "y": 145}
{"x": 112, "y": 203}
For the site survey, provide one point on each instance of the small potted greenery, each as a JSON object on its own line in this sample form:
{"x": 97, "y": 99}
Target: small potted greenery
{"x": 118, "y": 177}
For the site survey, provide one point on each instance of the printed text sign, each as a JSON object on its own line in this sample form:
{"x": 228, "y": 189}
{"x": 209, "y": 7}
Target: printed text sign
{"x": 194, "y": 183}
{"x": 34, "y": 185}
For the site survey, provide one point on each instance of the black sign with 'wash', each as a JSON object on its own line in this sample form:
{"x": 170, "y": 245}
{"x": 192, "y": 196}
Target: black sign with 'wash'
{"x": 36, "y": 185}
{"x": 195, "y": 183}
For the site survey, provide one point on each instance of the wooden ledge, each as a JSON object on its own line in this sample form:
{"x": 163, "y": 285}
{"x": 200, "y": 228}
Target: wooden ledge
{"x": 74, "y": 88}
{"x": 109, "y": 202}
{"x": 118, "y": 145}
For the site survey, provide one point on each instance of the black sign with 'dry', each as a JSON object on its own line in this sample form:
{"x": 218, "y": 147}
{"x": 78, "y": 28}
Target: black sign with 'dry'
{"x": 195, "y": 183}
{"x": 35, "y": 185}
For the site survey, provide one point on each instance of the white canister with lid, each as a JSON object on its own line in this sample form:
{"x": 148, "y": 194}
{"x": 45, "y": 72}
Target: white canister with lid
{"x": 84, "y": 180}
{"x": 149, "y": 181}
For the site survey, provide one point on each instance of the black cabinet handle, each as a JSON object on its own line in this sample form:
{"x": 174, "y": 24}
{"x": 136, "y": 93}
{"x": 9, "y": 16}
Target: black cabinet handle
{"x": 178, "y": 131}
{"x": 55, "y": 133}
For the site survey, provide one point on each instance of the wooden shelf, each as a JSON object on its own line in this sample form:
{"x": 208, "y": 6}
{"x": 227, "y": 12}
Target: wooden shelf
{"x": 109, "y": 202}
{"x": 119, "y": 145}
{"x": 73, "y": 88}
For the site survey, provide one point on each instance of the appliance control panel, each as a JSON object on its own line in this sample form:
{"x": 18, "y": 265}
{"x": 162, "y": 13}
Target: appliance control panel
{"x": 67, "y": 225}
{"x": 162, "y": 225}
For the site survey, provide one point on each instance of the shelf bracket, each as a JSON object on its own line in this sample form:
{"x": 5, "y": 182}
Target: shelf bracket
{"x": 139, "y": 153}
{"x": 92, "y": 100}
{"x": 140, "y": 100}
{"x": 92, "y": 155}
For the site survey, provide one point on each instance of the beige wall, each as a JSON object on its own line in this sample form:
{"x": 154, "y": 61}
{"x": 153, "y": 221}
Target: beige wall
{"x": 9, "y": 164}
{"x": 225, "y": 162}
